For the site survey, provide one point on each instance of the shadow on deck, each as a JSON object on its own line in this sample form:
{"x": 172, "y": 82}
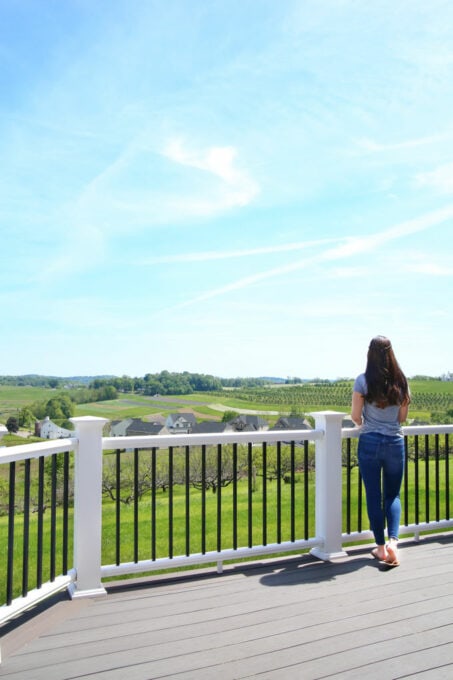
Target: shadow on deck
{"x": 287, "y": 618}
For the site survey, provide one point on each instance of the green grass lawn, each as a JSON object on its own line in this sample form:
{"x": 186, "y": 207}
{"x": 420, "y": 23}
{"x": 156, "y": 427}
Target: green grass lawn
{"x": 195, "y": 500}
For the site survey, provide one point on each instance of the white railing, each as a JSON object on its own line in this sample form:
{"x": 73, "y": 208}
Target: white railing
{"x": 18, "y": 454}
{"x": 84, "y": 579}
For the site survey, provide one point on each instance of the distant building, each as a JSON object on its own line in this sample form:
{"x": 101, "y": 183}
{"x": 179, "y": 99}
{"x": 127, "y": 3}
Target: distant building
{"x": 210, "y": 426}
{"x": 118, "y": 427}
{"x": 292, "y": 423}
{"x": 138, "y": 427}
{"x": 46, "y": 429}
{"x": 248, "y": 423}
{"x": 181, "y": 423}
{"x": 135, "y": 427}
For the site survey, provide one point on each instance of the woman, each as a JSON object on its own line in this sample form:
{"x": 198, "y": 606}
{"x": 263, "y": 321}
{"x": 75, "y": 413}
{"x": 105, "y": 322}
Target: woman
{"x": 380, "y": 403}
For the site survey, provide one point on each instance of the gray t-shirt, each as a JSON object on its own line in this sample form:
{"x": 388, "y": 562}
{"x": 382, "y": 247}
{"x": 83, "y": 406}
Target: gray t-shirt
{"x": 375, "y": 419}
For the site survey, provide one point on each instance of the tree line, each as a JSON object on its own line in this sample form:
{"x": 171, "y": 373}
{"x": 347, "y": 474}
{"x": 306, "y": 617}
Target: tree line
{"x": 167, "y": 383}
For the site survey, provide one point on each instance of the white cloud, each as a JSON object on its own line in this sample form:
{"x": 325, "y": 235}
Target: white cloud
{"x": 206, "y": 256}
{"x": 353, "y": 246}
{"x": 239, "y": 188}
{"x": 218, "y": 160}
{"x": 132, "y": 192}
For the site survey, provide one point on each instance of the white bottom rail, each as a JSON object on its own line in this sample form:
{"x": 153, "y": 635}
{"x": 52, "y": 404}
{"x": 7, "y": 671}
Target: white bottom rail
{"x": 21, "y": 604}
{"x": 108, "y": 571}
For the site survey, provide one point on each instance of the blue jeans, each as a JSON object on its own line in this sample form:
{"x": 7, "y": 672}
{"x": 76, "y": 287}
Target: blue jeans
{"x": 381, "y": 464}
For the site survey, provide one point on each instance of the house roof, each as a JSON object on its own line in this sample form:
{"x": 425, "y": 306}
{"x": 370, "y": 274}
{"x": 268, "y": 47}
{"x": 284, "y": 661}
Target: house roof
{"x": 291, "y": 423}
{"x": 209, "y": 426}
{"x": 189, "y": 417}
{"x": 138, "y": 426}
{"x": 248, "y": 423}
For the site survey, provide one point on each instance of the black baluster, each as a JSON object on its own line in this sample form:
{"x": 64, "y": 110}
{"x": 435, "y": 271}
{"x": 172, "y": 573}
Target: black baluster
{"x": 118, "y": 507}
{"x": 11, "y": 524}
{"x": 264, "y": 454}
{"x": 136, "y": 495}
{"x": 26, "y": 536}
{"x": 279, "y": 492}
{"x": 187, "y": 487}
{"x": 235, "y": 496}
{"x": 170, "y": 502}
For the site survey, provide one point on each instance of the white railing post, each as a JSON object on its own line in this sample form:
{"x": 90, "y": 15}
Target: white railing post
{"x": 328, "y": 503}
{"x": 88, "y": 507}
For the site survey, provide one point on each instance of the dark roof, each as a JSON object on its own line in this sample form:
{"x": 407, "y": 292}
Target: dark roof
{"x": 140, "y": 427}
{"x": 248, "y": 423}
{"x": 208, "y": 426}
{"x": 291, "y": 423}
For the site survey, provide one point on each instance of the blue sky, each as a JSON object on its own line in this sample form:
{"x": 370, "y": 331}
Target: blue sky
{"x": 233, "y": 187}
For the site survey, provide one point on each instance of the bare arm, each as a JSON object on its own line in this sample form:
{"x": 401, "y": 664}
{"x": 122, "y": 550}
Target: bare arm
{"x": 402, "y": 413}
{"x": 357, "y": 406}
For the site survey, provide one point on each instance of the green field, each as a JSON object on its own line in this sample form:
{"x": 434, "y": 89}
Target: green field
{"x": 12, "y": 399}
{"x": 428, "y": 397}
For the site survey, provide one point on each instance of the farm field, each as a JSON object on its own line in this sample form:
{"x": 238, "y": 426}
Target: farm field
{"x": 139, "y": 406}
{"x": 14, "y": 398}
{"x": 428, "y": 397}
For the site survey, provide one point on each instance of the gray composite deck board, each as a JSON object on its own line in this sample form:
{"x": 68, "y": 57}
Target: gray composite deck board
{"x": 298, "y": 618}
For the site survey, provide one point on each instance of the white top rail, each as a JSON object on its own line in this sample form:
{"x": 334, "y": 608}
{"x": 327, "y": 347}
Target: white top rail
{"x": 47, "y": 448}
{"x": 427, "y": 429}
{"x": 36, "y": 450}
{"x": 408, "y": 430}
{"x": 210, "y": 439}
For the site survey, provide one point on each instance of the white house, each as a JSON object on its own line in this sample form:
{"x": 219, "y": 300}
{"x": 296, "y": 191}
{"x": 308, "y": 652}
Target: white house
{"x": 46, "y": 429}
{"x": 180, "y": 422}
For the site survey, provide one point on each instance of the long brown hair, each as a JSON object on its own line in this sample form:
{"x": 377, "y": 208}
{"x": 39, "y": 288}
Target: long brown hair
{"x": 386, "y": 382}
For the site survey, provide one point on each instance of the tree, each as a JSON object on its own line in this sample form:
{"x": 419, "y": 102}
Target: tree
{"x": 26, "y": 418}
{"x": 60, "y": 408}
{"x": 229, "y": 415}
{"x": 211, "y": 472}
{"x": 127, "y": 487}
{"x": 136, "y": 482}
{"x": 12, "y": 424}
{"x": 127, "y": 384}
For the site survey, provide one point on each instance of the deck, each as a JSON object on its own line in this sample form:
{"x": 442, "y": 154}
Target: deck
{"x": 288, "y": 618}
